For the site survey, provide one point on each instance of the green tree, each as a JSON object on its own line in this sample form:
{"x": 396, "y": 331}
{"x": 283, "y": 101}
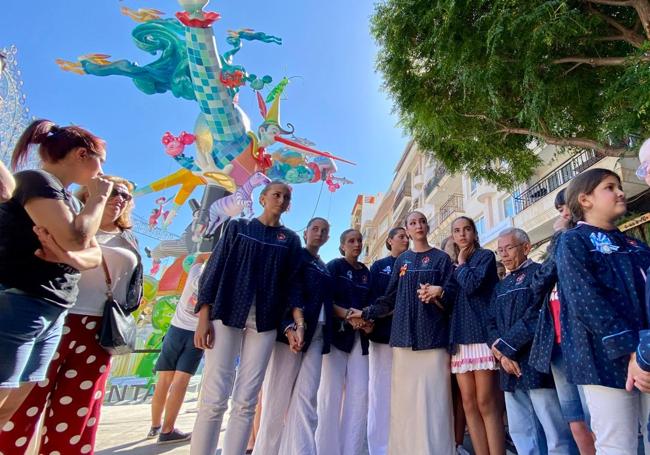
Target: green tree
{"x": 475, "y": 81}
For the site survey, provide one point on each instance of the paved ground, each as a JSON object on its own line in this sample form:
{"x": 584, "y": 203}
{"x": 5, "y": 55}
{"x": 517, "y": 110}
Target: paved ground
{"x": 123, "y": 430}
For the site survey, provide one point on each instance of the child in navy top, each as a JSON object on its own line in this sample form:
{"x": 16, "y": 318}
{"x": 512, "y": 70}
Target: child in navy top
{"x": 381, "y": 354}
{"x": 546, "y": 352}
{"x": 472, "y": 361}
{"x": 289, "y": 418}
{"x": 245, "y": 284}
{"x": 421, "y": 293}
{"x": 342, "y": 423}
{"x": 601, "y": 285}
{"x": 513, "y": 317}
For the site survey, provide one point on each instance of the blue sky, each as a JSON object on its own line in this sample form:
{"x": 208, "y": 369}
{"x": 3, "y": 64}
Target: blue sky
{"x": 336, "y": 102}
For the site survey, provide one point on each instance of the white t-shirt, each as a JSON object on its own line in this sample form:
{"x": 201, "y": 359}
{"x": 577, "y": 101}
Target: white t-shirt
{"x": 121, "y": 262}
{"x": 184, "y": 317}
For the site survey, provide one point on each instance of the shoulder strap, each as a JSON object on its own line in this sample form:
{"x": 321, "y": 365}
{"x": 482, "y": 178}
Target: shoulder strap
{"x": 107, "y": 277}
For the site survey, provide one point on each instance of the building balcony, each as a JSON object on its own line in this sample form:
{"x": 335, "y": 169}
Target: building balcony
{"x": 556, "y": 178}
{"x": 449, "y": 210}
{"x": 404, "y": 209}
{"x": 435, "y": 179}
{"x": 418, "y": 181}
{"x": 403, "y": 194}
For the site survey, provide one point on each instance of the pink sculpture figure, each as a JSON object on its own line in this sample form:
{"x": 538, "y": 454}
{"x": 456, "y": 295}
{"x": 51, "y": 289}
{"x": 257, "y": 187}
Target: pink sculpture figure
{"x": 238, "y": 202}
{"x": 174, "y": 146}
{"x": 158, "y": 212}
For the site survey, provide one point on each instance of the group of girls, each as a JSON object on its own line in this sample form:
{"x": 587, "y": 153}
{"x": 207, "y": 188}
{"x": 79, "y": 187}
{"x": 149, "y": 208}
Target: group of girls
{"x": 361, "y": 360}
{"x": 320, "y": 341}
{"x": 60, "y": 256}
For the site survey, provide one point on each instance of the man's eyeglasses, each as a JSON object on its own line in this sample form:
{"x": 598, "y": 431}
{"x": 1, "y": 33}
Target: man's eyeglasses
{"x": 123, "y": 194}
{"x": 643, "y": 170}
{"x": 509, "y": 249}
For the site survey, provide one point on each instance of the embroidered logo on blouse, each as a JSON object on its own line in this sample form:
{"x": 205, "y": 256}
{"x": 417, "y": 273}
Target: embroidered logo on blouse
{"x": 521, "y": 278}
{"x": 603, "y": 243}
{"x": 403, "y": 269}
{"x": 387, "y": 270}
{"x": 281, "y": 236}
{"x": 349, "y": 274}
{"x": 425, "y": 260}
{"x": 364, "y": 279}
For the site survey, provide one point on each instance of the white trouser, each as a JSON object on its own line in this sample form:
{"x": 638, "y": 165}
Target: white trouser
{"x": 380, "y": 360}
{"x": 615, "y": 416}
{"x": 644, "y": 421}
{"x": 289, "y": 418}
{"x": 343, "y": 402}
{"x": 219, "y": 375}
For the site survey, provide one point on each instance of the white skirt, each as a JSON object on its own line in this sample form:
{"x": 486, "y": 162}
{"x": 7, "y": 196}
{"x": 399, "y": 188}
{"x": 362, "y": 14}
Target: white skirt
{"x": 420, "y": 403}
{"x": 473, "y": 357}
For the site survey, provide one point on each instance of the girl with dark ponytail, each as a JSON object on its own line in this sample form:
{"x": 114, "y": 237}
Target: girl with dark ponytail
{"x": 36, "y": 288}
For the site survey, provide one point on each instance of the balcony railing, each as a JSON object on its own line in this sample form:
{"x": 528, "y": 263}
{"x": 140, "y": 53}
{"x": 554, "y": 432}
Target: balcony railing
{"x": 403, "y": 192}
{"x": 556, "y": 179}
{"x": 399, "y": 219}
{"x": 451, "y": 206}
{"x": 438, "y": 174}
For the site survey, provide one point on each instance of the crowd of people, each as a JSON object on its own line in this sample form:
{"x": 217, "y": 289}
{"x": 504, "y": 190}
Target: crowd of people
{"x": 347, "y": 360}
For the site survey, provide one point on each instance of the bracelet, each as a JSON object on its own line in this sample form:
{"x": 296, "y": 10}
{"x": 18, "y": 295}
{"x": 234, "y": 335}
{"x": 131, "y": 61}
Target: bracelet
{"x": 348, "y": 313}
{"x": 301, "y": 325}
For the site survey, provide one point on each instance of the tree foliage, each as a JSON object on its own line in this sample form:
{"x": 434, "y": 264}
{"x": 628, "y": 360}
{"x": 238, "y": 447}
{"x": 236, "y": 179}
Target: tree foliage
{"x": 474, "y": 81}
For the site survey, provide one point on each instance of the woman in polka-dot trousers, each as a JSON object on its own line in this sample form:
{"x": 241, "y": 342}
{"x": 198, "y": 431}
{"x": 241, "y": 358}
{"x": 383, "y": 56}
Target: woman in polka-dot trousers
{"x": 71, "y": 395}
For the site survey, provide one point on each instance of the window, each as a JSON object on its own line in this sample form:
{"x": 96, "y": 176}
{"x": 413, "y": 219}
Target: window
{"x": 509, "y": 207}
{"x": 480, "y": 225}
{"x": 473, "y": 185}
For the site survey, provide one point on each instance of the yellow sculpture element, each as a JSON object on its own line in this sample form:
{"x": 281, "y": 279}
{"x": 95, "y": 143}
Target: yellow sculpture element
{"x": 72, "y": 67}
{"x": 142, "y": 14}
{"x": 97, "y": 59}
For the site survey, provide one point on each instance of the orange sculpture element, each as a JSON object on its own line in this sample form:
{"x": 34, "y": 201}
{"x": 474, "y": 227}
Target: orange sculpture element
{"x": 173, "y": 280}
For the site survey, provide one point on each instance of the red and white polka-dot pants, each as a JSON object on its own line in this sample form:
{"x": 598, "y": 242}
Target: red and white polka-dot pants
{"x": 71, "y": 396}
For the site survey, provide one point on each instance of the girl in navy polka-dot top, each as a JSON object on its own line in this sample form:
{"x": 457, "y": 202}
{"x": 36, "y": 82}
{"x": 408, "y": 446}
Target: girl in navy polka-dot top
{"x": 243, "y": 295}
{"x": 421, "y": 291}
{"x": 601, "y": 285}
{"x": 343, "y": 393}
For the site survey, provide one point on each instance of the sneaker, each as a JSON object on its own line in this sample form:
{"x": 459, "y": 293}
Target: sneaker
{"x": 460, "y": 450}
{"x": 173, "y": 436}
{"x": 153, "y": 432}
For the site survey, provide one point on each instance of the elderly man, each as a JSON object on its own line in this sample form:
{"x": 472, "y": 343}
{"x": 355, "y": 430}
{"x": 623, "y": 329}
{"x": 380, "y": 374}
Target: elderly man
{"x": 534, "y": 415}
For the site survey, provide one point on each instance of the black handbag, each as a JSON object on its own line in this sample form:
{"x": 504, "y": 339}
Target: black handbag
{"x": 117, "y": 331}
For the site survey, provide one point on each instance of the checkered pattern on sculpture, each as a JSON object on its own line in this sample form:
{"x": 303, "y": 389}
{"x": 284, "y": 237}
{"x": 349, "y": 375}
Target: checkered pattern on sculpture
{"x": 215, "y": 99}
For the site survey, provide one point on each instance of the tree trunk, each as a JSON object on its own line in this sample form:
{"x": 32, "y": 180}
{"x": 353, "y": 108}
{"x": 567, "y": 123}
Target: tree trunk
{"x": 642, "y": 7}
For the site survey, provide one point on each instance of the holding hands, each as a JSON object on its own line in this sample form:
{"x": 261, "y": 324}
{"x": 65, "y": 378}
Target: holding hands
{"x": 354, "y": 317}
{"x": 296, "y": 336}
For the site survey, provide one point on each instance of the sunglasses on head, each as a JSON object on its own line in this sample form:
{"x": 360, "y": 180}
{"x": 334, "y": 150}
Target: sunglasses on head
{"x": 123, "y": 194}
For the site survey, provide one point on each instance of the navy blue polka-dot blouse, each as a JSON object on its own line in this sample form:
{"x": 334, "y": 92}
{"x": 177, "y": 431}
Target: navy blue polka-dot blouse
{"x": 601, "y": 287}
{"x": 418, "y": 325}
{"x": 542, "y": 285}
{"x": 251, "y": 264}
{"x": 511, "y": 323}
{"x": 380, "y": 273}
{"x": 351, "y": 290}
{"x": 314, "y": 286}
{"x": 476, "y": 280}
